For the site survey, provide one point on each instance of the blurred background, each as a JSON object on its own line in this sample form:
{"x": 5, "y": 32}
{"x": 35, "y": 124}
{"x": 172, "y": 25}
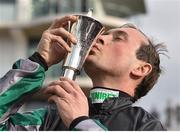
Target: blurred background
{"x": 23, "y": 21}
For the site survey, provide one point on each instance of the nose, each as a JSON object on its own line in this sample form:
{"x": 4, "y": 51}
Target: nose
{"x": 100, "y": 39}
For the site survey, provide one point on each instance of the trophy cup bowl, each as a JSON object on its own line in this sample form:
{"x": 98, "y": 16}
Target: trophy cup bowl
{"x": 86, "y": 29}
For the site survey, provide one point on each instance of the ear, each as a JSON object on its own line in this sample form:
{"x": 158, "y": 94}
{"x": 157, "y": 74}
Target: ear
{"x": 142, "y": 70}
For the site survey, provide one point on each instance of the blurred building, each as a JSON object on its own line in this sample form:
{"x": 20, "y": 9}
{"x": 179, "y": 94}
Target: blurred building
{"x": 23, "y": 21}
{"x": 172, "y": 113}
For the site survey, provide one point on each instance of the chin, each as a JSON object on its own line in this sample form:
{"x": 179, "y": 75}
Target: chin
{"x": 89, "y": 58}
{"x": 90, "y": 61}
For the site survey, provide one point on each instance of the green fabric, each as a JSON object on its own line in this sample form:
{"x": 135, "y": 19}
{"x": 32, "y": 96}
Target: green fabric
{"x": 3, "y": 128}
{"x": 32, "y": 118}
{"x": 17, "y": 64}
{"x": 29, "y": 83}
{"x": 25, "y": 85}
{"x": 98, "y": 95}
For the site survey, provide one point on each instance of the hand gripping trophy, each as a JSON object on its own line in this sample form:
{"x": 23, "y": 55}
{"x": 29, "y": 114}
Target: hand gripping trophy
{"x": 86, "y": 29}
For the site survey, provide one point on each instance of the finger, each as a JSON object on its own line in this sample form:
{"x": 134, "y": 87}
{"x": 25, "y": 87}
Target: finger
{"x": 57, "y": 100}
{"x": 54, "y": 83}
{"x": 61, "y": 103}
{"x": 56, "y": 90}
{"x": 64, "y": 85}
{"x": 63, "y": 21}
{"x": 53, "y": 98}
{"x": 67, "y": 87}
{"x": 72, "y": 83}
{"x": 64, "y": 33}
{"x": 61, "y": 42}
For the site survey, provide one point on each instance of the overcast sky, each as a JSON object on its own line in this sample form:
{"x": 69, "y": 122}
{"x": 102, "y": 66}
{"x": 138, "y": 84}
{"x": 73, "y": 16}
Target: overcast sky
{"x": 162, "y": 23}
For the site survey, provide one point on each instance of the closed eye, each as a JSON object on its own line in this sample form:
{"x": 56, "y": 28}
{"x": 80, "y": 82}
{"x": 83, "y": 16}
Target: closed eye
{"x": 120, "y": 35}
{"x": 106, "y": 33}
{"x": 117, "y": 38}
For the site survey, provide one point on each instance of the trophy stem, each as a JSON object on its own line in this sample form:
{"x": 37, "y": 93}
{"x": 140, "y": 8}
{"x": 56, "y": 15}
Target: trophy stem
{"x": 69, "y": 73}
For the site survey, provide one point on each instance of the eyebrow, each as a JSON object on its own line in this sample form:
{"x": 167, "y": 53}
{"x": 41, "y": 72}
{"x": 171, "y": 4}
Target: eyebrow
{"x": 118, "y": 33}
{"x": 130, "y": 25}
{"x": 121, "y": 33}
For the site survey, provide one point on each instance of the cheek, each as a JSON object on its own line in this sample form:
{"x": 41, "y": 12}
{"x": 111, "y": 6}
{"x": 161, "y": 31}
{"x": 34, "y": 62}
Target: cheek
{"x": 117, "y": 52}
{"x": 112, "y": 56}
{"x": 121, "y": 57}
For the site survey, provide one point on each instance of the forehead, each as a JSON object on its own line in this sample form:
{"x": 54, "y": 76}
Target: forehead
{"x": 131, "y": 33}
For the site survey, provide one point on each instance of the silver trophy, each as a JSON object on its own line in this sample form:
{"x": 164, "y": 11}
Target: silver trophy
{"x": 86, "y": 29}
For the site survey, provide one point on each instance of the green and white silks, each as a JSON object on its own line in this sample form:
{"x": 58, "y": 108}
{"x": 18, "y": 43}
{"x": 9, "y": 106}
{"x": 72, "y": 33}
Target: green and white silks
{"x": 16, "y": 87}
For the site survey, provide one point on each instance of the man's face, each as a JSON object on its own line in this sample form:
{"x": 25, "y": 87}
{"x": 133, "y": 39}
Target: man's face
{"x": 114, "y": 52}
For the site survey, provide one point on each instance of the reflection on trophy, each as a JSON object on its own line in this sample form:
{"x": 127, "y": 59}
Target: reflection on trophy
{"x": 86, "y": 29}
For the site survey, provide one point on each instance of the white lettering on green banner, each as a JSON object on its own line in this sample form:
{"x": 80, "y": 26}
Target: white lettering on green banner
{"x": 98, "y": 95}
